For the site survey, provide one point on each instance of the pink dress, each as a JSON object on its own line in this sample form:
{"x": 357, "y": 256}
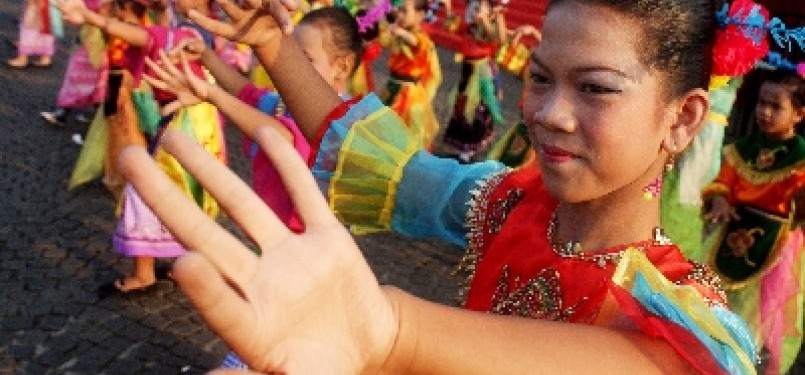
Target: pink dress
{"x": 265, "y": 178}
{"x": 36, "y": 37}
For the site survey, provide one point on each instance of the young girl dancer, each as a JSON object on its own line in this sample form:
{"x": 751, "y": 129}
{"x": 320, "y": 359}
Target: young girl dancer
{"x": 139, "y": 234}
{"x": 476, "y": 109}
{"x": 37, "y": 35}
{"x": 84, "y": 84}
{"x": 616, "y": 89}
{"x": 758, "y": 248}
{"x": 415, "y": 71}
{"x": 331, "y": 40}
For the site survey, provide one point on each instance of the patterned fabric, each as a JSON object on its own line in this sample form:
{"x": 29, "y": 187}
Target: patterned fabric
{"x": 139, "y": 233}
{"x": 84, "y": 84}
{"x": 415, "y": 76}
{"x": 265, "y": 179}
{"x": 512, "y": 268}
{"x": 759, "y": 255}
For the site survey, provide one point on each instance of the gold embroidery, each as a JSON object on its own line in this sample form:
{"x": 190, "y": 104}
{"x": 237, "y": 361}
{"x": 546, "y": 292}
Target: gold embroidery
{"x": 702, "y": 274}
{"x": 747, "y": 171}
{"x": 540, "y": 297}
{"x": 501, "y": 209}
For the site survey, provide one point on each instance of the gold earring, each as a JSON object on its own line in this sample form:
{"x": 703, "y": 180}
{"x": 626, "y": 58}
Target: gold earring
{"x": 669, "y": 164}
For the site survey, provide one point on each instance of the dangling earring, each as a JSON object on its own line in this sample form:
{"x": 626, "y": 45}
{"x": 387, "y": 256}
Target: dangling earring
{"x": 654, "y": 189}
{"x": 669, "y": 164}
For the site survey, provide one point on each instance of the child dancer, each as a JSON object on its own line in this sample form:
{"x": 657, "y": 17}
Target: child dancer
{"x": 415, "y": 71}
{"x": 362, "y": 81}
{"x": 576, "y": 244}
{"x": 476, "y": 109}
{"x": 139, "y": 234}
{"x": 87, "y": 73}
{"x": 514, "y": 147}
{"x": 758, "y": 252}
{"x": 331, "y": 40}
{"x": 36, "y": 35}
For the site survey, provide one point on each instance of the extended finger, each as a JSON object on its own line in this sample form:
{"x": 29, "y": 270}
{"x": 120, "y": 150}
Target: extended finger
{"x": 170, "y": 67}
{"x": 232, "y": 194}
{"x": 161, "y": 73}
{"x": 234, "y": 11}
{"x": 184, "y": 218}
{"x": 171, "y": 107}
{"x": 298, "y": 181}
{"x": 281, "y": 14}
{"x": 216, "y": 27}
{"x": 224, "y": 309}
{"x": 158, "y": 84}
{"x": 196, "y": 83}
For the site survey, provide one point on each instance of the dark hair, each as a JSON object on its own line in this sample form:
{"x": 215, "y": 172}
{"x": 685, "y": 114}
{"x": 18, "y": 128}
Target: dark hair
{"x": 344, "y": 33}
{"x": 791, "y": 79}
{"x": 678, "y": 37}
{"x": 137, "y": 7}
{"x": 422, "y": 5}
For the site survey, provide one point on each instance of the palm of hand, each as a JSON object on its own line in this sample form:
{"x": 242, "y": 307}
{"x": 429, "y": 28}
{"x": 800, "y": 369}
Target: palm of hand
{"x": 310, "y": 304}
{"x": 336, "y": 303}
{"x": 254, "y": 24}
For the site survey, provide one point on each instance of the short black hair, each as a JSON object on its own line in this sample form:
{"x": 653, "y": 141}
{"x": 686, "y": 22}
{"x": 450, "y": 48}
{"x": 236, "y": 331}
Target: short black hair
{"x": 791, "y": 79}
{"x": 344, "y": 32}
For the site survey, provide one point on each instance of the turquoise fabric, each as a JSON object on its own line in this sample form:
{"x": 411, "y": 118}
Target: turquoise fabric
{"x": 434, "y": 192}
{"x": 659, "y": 305}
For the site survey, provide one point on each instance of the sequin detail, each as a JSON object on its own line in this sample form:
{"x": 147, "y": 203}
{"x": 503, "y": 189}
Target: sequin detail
{"x": 475, "y": 222}
{"x": 540, "y": 297}
{"x": 501, "y": 209}
{"x": 702, "y": 275}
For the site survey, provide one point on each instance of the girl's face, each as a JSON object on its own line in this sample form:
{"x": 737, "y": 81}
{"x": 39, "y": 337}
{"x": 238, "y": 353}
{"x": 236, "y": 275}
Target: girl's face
{"x": 408, "y": 17}
{"x": 596, "y": 114}
{"x": 775, "y": 111}
{"x": 313, "y": 42}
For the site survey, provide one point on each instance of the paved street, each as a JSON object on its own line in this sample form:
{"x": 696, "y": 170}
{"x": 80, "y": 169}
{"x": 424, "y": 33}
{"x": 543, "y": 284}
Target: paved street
{"x": 55, "y": 251}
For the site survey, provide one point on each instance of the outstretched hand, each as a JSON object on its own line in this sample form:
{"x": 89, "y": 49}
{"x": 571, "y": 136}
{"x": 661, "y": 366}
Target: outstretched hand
{"x": 721, "y": 211}
{"x": 309, "y": 304}
{"x": 186, "y": 86}
{"x": 72, "y": 11}
{"x": 256, "y": 23}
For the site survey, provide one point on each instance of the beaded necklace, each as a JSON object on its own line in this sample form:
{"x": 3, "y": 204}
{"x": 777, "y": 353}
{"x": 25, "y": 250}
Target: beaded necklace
{"x": 573, "y": 249}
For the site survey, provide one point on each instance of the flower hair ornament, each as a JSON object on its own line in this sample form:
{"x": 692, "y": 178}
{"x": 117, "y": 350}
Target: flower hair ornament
{"x": 373, "y": 15}
{"x": 753, "y": 19}
{"x": 777, "y": 61}
{"x": 741, "y": 40}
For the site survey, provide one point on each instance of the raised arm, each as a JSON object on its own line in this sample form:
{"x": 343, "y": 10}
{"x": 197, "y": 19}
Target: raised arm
{"x": 266, "y": 28}
{"x": 229, "y": 79}
{"x": 406, "y": 36}
{"x": 310, "y": 303}
{"x": 77, "y": 13}
{"x": 190, "y": 89}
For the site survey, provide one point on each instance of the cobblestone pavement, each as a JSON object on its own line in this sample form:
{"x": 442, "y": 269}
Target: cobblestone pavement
{"x": 55, "y": 251}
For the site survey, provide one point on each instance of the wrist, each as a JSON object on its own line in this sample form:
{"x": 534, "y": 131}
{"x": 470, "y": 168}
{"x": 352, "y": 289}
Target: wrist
{"x": 268, "y": 53}
{"x": 95, "y": 19}
{"x": 399, "y": 352}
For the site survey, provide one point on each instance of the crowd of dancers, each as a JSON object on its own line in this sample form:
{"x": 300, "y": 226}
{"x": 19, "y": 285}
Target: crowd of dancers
{"x": 620, "y": 136}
